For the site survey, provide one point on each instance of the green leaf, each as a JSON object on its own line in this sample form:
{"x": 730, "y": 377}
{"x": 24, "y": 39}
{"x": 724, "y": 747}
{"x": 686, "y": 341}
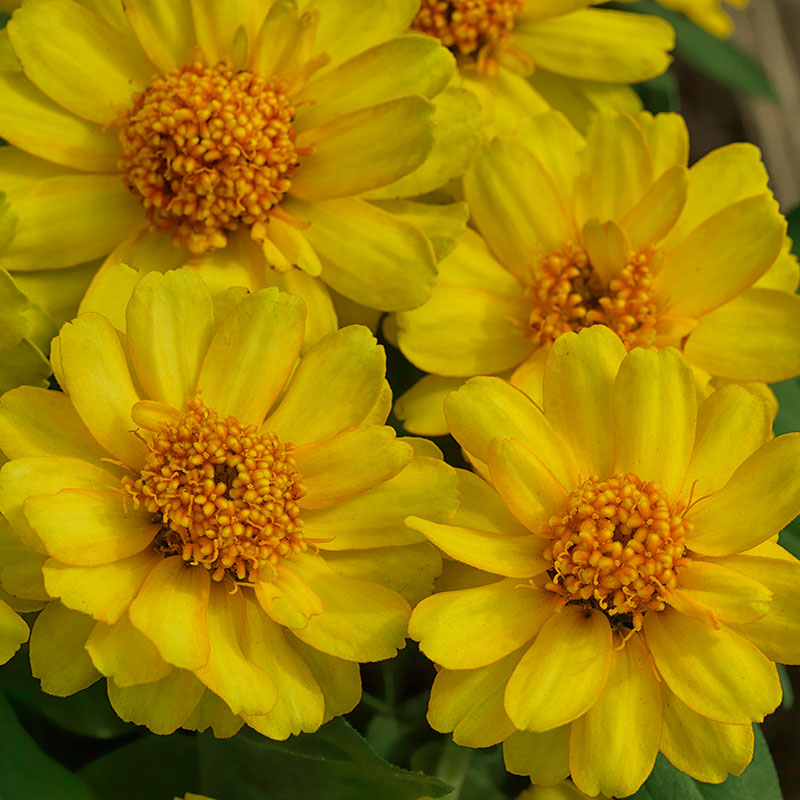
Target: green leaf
{"x": 720, "y": 59}
{"x": 793, "y": 230}
{"x": 758, "y": 782}
{"x": 660, "y": 94}
{"x": 333, "y": 764}
{"x": 27, "y": 772}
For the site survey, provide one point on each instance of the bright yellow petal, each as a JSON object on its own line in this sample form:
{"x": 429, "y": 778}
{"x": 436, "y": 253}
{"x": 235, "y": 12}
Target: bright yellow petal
{"x": 721, "y": 258}
{"x": 563, "y": 672}
{"x": 13, "y": 632}
{"x": 732, "y": 424}
{"x": 482, "y": 508}
{"x": 655, "y": 410}
{"x": 668, "y": 140}
{"x": 513, "y": 556}
{"x": 30, "y": 120}
{"x": 287, "y": 599}
{"x": 361, "y": 620}
{"x": 77, "y": 58}
{"x": 243, "y": 685}
{"x": 58, "y": 657}
{"x": 170, "y": 321}
{"x": 578, "y": 390}
{"x": 421, "y": 408}
{"x": 607, "y": 246}
{"x": 700, "y": 747}
{"x": 163, "y": 706}
{"x": 541, "y": 756}
{"x": 350, "y": 463}
{"x": 171, "y": 610}
{"x": 104, "y": 592}
{"x": 760, "y": 499}
{"x": 652, "y": 218}
{"x": 625, "y": 719}
{"x": 213, "y": 712}
{"x": 367, "y": 254}
{"x": 334, "y": 387}
{"x": 217, "y": 26}
{"x": 469, "y": 702}
{"x": 20, "y": 567}
{"x": 474, "y": 627}
{"x": 97, "y": 379}
{"x": 291, "y": 249}
{"x": 529, "y": 375}
{"x": 163, "y": 30}
{"x": 715, "y": 672}
{"x": 489, "y": 408}
{"x": 252, "y": 355}
{"x": 120, "y": 652}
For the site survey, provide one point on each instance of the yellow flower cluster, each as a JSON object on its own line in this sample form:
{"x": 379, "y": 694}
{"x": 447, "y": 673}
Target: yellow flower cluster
{"x": 208, "y": 509}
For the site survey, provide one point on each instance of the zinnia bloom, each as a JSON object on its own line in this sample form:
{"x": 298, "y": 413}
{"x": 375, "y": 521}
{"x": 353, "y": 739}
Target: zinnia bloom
{"x": 217, "y": 527}
{"x": 638, "y": 597}
{"x": 523, "y": 56}
{"x": 196, "y": 132}
{"x": 609, "y": 230}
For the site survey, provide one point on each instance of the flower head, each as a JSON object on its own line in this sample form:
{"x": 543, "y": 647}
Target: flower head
{"x": 635, "y": 597}
{"x": 247, "y": 143}
{"x": 216, "y": 528}
{"x": 613, "y": 230}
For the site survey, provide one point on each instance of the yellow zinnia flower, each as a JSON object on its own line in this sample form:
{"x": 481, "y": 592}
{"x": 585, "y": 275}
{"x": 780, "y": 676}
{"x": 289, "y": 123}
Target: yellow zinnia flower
{"x": 708, "y": 14}
{"x": 214, "y": 134}
{"x": 612, "y": 230}
{"x": 523, "y": 56}
{"x": 638, "y": 597}
{"x": 217, "y": 526}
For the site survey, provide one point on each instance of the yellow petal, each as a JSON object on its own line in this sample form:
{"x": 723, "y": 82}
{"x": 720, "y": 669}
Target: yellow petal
{"x": 516, "y": 205}
{"x": 721, "y": 258}
{"x": 88, "y": 528}
{"x": 293, "y": 249}
{"x": 365, "y": 149}
{"x": 655, "y": 411}
{"x": 607, "y": 246}
{"x": 529, "y": 375}
{"x": 163, "y": 30}
{"x": 421, "y": 408}
{"x": 171, "y": 610}
{"x": 715, "y": 672}
{"x": 20, "y": 567}
{"x": 77, "y": 58}
{"x": 425, "y": 487}
{"x": 541, "y": 756}
{"x": 170, "y": 321}
{"x": 213, "y": 712}
{"x": 163, "y": 706}
{"x": 578, "y": 390}
{"x": 104, "y": 592}
{"x": 102, "y": 212}
{"x": 700, "y": 747}
{"x": 469, "y": 702}
{"x": 120, "y": 652}
{"x": 350, "y": 463}
{"x": 501, "y": 616}
{"x": 216, "y": 26}
{"x": 753, "y": 337}
{"x": 563, "y": 672}
{"x": 760, "y": 499}
{"x": 668, "y": 140}
{"x": 349, "y": 233}
{"x": 482, "y": 507}
{"x": 361, "y": 620}
{"x": 252, "y": 355}
{"x": 652, "y": 218}
{"x": 462, "y": 331}
{"x": 513, "y": 556}
{"x": 625, "y": 719}
{"x": 58, "y": 657}
{"x": 99, "y": 384}
{"x": 243, "y": 685}
{"x": 287, "y": 599}
{"x": 13, "y": 632}
{"x": 528, "y": 488}
{"x": 334, "y": 387}
{"x": 732, "y": 424}
{"x": 488, "y": 408}
{"x": 30, "y": 120}
{"x": 300, "y": 703}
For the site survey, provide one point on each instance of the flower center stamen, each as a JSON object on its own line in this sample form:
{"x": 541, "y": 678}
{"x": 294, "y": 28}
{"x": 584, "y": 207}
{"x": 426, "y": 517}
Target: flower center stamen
{"x": 467, "y": 26}
{"x": 569, "y": 295}
{"x": 225, "y": 494}
{"x": 617, "y": 547}
{"x": 208, "y": 149}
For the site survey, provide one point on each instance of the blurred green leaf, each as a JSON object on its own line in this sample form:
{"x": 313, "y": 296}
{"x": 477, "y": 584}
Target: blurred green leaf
{"x": 333, "y": 764}
{"x": 758, "y": 782}
{"x": 26, "y": 773}
{"x": 720, "y": 59}
{"x": 660, "y": 94}
{"x": 786, "y": 686}
{"x": 793, "y": 218}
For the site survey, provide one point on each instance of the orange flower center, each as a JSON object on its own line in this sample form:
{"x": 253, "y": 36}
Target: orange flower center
{"x": 208, "y": 149}
{"x": 466, "y": 26}
{"x": 619, "y": 544}
{"x": 225, "y": 494}
{"x": 569, "y": 295}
